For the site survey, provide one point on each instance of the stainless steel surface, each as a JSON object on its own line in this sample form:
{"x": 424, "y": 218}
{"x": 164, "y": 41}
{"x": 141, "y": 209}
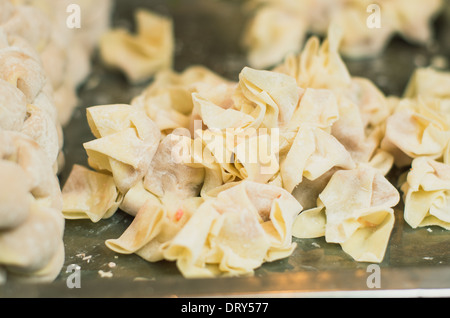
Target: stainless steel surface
{"x": 417, "y": 262}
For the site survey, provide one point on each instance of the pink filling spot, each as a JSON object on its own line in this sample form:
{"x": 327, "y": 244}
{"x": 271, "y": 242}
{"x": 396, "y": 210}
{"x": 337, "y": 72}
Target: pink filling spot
{"x": 179, "y": 214}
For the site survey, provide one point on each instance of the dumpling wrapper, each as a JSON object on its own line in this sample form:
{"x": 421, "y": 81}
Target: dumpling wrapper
{"x": 215, "y": 176}
{"x": 168, "y": 99}
{"x": 21, "y": 149}
{"x": 354, "y": 210}
{"x": 215, "y": 152}
{"x": 142, "y": 55}
{"x": 216, "y": 117}
{"x": 155, "y": 224}
{"x": 312, "y": 154}
{"x": 318, "y": 65}
{"x": 258, "y": 156}
{"x": 238, "y": 154}
{"x": 135, "y": 198}
{"x": 274, "y": 96}
{"x": 90, "y": 195}
{"x": 426, "y": 193}
{"x": 318, "y": 107}
{"x": 307, "y": 191}
{"x": 168, "y": 173}
{"x": 22, "y": 71}
{"x": 47, "y": 274}
{"x": 129, "y": 143}
{"x": 42, "y": 129}
{"x": 105, "y": 120}
{"x": 13, "y": 107}
{"x": 236, "y": 231}
{"x": 351, "y": 131}
{"x": 160, "y": 109}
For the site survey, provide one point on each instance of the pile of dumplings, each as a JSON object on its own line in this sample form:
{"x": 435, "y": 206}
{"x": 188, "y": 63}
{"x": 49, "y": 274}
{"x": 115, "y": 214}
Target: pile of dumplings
{"x": 220, "y": 176}
{"x": 38, "y": 83}
{"x": 279, "y": 27}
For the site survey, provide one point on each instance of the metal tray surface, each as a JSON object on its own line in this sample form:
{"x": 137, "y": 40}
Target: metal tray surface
{"x": 416, "y": 264}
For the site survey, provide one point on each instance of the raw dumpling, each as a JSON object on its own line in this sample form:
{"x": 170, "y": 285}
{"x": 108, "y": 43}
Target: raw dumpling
{"x": 277, "y": 28}
{"x": 142, "y": 55}
{"x": 426, "y": 193}
{"x": 31, "y": 226}
{"x": 89, "y": 194}
{"x": 355, "y": 210}
{"x": 234, "y": 233}
{"x": 126, "y": 142}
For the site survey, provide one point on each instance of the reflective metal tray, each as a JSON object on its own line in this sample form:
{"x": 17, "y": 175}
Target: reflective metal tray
{"x": 417, "y": 262}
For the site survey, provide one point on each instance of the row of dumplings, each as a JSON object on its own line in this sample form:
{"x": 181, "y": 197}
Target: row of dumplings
{"x": 38, "y": 82}
{"x": 220, "y": 175}
{"x": 279, "y": 27}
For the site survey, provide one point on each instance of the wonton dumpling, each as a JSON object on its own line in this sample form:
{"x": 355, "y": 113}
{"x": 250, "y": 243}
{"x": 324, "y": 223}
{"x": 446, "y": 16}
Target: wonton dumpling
{"x": 32, "y": 226}
{"x": 416, "y": 18}
{"x": 168, "y": 99}
{"x": 277, "y": 28}
{"x": 415, "y": 129}
{"x": 355, "y": 210}
{"x": 428, "y": 83}
{"x": 426, "y": 193}
{"x": 89, "y": 194}
{"x": 234, "y": 233}
{"x": 140, "y": 56}
{"x": 353, "y": 109}
{"x": 358, "y": 39}
{"x": 127, "y": 141}
{"x": 273, "y": 32}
